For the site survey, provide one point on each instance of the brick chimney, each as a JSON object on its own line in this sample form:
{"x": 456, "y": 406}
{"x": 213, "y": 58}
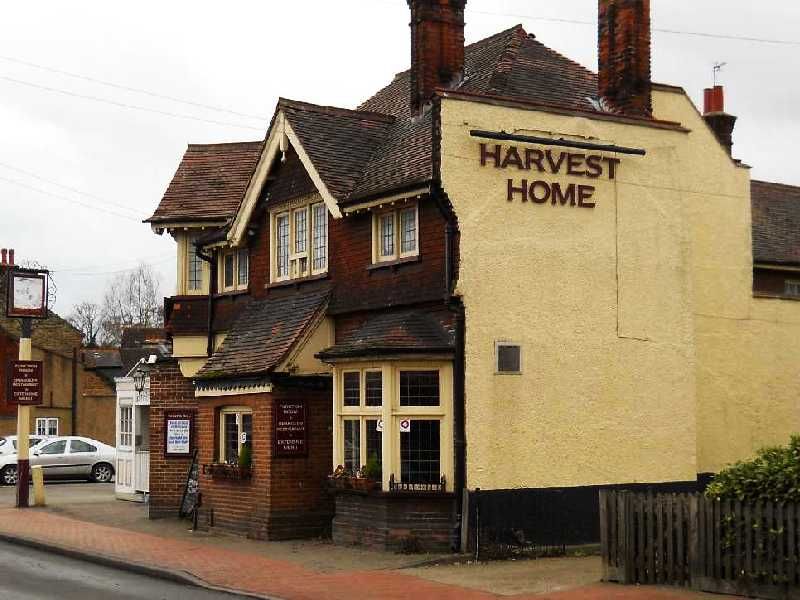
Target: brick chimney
{"x": 624, "y": 56}
{"x": 721, "y": 123}
{"x": 437, "y": 47}
{"x": 6, "y": 257}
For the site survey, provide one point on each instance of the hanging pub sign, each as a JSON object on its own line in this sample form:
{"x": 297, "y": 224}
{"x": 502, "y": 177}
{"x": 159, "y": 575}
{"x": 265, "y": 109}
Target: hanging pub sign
{"x": 27, "y": 294}
{"x": 25, "y": 381}
{"x": 291, "y": 428}
{"x": 537, "y": 166}
{"x": 178, "y": 430}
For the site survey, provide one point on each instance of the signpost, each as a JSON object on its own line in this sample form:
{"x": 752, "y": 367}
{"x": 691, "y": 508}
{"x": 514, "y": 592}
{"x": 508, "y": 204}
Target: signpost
{"x": 26, "y": 300}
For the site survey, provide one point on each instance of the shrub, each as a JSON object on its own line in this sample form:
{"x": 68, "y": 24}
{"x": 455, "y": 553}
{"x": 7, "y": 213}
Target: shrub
{"x": 774, "y": 474}
{"x": 245, "y": 456}
{"x": 372, "y": 470}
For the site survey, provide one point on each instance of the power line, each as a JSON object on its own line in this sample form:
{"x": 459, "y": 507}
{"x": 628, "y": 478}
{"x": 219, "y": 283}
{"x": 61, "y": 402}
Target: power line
{"x": 67, "y": 199}
{"x": 658, "y": 29}
{"x": 114, "y": 272}
{"x": 131, "y": 89}
{"x": 90, "y": 269}
{"x": 124, "y": 105}
{"x": 66, "y": 187}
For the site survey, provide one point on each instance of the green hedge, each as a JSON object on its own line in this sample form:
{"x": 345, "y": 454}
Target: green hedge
{"x": 774, "y": 474}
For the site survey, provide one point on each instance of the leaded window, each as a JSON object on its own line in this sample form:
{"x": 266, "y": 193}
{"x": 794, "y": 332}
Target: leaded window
{"x": 419, "y": 388}
{"x": 420, "y": 452}
{"x": 282, "y": 245}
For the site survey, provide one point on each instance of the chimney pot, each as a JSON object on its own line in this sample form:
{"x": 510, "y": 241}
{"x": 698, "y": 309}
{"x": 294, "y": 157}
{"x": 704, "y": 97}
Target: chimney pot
{"x": 4, "y": 254}
{"x": 11, "y": 257}
{"x": 720, "y": 122}
{"x": 437, "y": 48}
{"x": 624, "y": 77}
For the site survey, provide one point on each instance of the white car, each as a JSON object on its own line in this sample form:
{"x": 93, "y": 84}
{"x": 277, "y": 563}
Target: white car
{"x": 8, "y": 443}
{"x": 66, "y": 457}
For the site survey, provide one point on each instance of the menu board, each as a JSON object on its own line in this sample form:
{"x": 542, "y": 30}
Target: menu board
{"x": 178, "y": 433}
{"x": 291, "y": 428}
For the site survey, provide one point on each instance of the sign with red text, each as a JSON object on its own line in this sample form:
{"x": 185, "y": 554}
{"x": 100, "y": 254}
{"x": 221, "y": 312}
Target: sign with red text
{"x": 291, "y": 428}
{"x": 536, "y": 168}
{"x": 25, "y": 382}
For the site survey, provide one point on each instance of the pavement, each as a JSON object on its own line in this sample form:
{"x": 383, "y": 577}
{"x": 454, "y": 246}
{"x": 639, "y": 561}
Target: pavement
{"x": 85, "y": 521}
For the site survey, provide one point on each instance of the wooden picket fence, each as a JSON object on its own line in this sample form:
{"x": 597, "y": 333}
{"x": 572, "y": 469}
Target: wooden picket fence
{"x": 730, "y": 547}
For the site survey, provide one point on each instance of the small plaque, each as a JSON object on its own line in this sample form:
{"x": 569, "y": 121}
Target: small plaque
{"x": 25, "y": 380}
{"x": 291, "y": 428}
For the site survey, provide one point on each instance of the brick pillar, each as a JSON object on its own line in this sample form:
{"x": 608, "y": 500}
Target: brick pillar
{"x": 624, "y": 56}
{"x": 169, "y": 390}
{"x": 437, "y": 47}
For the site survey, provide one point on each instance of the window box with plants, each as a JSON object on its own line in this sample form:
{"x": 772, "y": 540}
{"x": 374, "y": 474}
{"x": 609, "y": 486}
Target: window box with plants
{"x": 239, "y": 471}
{"x": 365, "y": 479}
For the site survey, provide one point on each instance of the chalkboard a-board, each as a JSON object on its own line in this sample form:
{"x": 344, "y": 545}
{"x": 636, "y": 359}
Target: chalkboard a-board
{"x": 190, "y": 492}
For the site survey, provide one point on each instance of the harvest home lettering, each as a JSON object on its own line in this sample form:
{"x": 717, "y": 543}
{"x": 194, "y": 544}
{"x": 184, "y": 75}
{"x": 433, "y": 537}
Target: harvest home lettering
{"x": 538, "y": 191}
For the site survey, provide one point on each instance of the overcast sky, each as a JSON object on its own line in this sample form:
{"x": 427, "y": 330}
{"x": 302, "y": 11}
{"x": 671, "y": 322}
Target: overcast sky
{"x": 86, "y": 173}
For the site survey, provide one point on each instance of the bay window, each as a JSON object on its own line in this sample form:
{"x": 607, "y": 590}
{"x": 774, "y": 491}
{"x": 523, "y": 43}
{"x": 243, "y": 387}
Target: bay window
{"x": 400, "y": 413}
{"x": 395, "y": 234}
{"x": 300, "y": 241}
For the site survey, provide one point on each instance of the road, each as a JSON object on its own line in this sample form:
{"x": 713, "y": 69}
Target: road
{"x": 34, "y": 575}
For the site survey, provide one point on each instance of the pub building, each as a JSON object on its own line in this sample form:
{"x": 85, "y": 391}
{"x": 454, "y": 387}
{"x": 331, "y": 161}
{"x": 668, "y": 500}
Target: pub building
{"x": 501, "y": 272}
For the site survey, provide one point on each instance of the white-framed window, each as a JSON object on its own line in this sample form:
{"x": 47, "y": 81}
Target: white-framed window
{"x": 400, "y": 413}
{"x": 395, "y": 234}
{"x": 235, "y": 432}
{"x": 508, "y": 358}
{"x": 194, "y": 266}
{"x": 300, "y": 241}
{"x": 234, "y": 268}
{"x": 791, "y": 288}
{"x": 47, "y": 426}
{"x": 126, "y": 426}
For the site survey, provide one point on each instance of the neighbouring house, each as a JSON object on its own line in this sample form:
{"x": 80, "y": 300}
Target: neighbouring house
{"x": 502, "y": 272}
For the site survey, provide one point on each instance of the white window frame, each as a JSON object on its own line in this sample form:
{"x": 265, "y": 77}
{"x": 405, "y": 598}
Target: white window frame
{"x": 126, "y": 426}
{"x": 300, "y": 262}
{"x": 235, "y": 255}
{"x": 45, "y": 422}
{"x": 191, "y": 252}
{"x": 238, "y": 411}
{"x": 377, "y": 234}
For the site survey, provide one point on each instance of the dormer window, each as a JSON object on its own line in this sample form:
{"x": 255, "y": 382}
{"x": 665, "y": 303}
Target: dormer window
{"x": 300, "y": 241}
{"x": 395, "y": 234}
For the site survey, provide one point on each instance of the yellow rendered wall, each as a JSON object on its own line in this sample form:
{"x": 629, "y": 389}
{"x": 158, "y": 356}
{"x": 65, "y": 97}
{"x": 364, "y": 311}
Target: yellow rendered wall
{"x": 748, "y": 349}
{"x": 607, "y": 390}
{"x": 645, "y": 356}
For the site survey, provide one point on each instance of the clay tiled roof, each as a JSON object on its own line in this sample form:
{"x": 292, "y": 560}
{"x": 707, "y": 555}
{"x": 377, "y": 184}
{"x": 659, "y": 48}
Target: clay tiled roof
{"x": 263, "y": 335}
{"x": 393, "y": 333}
{"x": 511, "y": 64}
{"x": 338, "y": 142}
{"x": 776, "y": 223}
{"x": 209, "y": 183}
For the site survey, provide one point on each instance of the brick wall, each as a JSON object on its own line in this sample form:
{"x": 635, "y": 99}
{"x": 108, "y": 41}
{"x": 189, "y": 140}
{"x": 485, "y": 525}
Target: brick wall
{"x": 9, "y": 350}
{"x": 285, "y": 497}
{"x": 410, "y": 523}
{"x": 169, "y": 390}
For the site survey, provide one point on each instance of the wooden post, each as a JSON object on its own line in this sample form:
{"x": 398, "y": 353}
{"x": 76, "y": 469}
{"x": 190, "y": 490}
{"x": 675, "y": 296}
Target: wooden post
{"x": 603, "y": 499}
{"x": 24, "y": 424}
{"x": 695, "y": 560}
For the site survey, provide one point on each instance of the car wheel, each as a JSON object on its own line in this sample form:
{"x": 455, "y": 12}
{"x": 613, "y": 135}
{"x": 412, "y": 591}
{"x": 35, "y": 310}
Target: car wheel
{"x": 9, "y": 475}
{"x": 102, "y": 473}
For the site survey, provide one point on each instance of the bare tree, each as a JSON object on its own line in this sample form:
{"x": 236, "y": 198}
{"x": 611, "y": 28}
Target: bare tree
{"x": 86, "y": 318}
{"x": 132, "y": 299}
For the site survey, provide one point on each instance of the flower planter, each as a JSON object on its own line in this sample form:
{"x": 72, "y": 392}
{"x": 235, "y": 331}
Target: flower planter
{"x": 231, "y": 472}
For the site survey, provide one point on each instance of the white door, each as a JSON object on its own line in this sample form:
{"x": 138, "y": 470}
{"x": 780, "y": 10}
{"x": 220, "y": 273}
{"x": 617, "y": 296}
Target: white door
{"x": 125, "y": 468}
{"x": 141, "y": 418}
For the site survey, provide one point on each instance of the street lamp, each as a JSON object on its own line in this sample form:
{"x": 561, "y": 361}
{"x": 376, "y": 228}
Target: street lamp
{"x": 139, "y": 378}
